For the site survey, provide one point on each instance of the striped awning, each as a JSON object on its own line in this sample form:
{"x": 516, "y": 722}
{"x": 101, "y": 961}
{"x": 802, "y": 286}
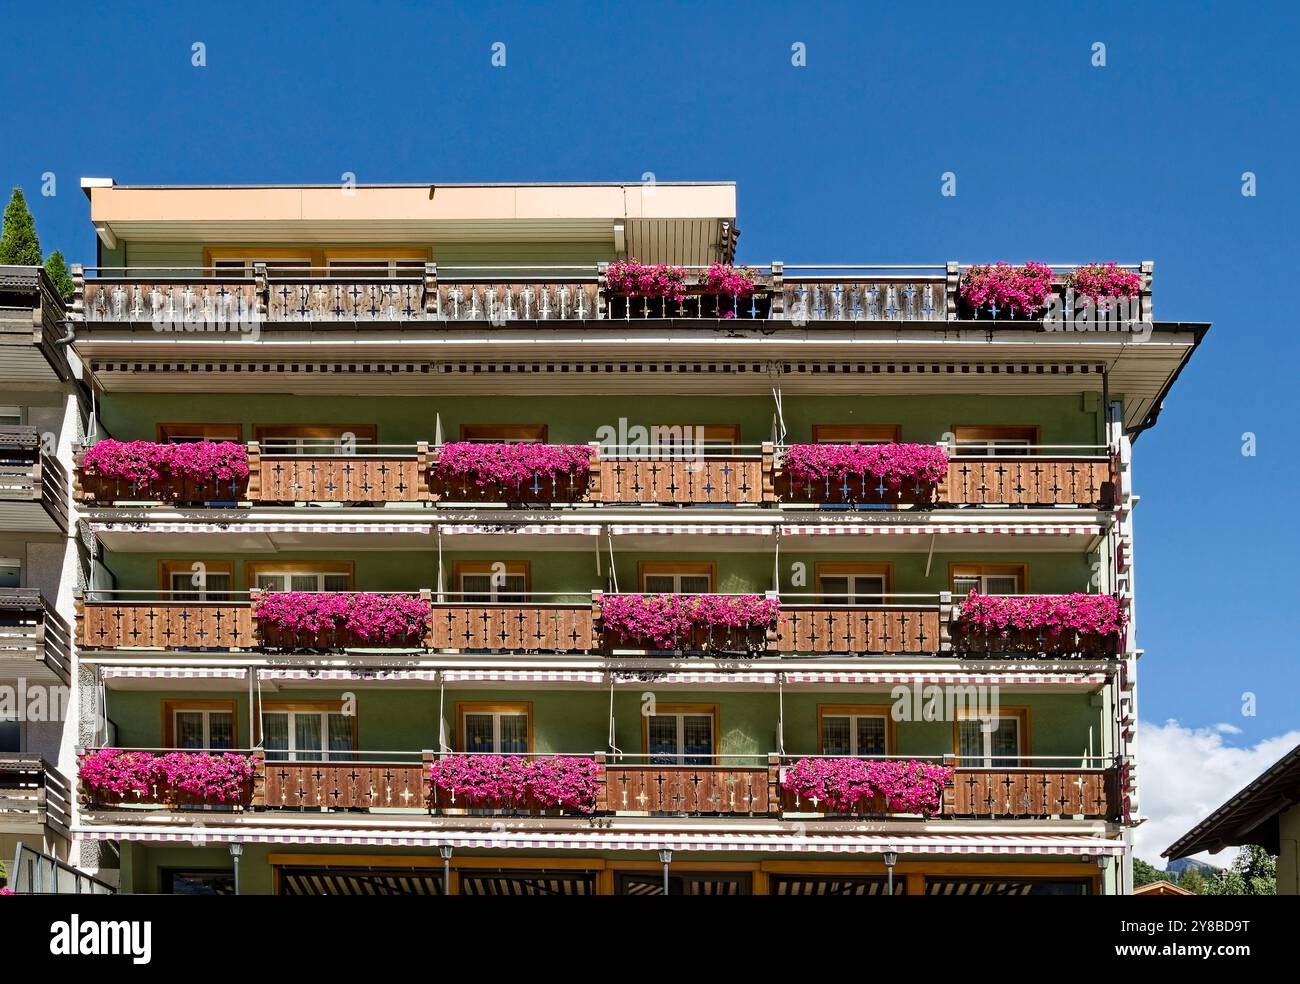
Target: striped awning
{"x": 731, "y": 529}
{"x": 357, "y": 673}
{"x": 795, "y": 841}
{"x": 173, "y": 527}
{"x": 528, "y": 529}
{"x": 174, "y": 672}
{"x": 1008, "y": 529}
{"x": 796, "y": 677}
{"x": 523, "y": 676}
{"x": 665, "y": 677}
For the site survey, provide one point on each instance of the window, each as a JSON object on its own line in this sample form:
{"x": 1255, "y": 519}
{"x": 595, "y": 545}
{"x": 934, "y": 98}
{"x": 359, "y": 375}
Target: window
{"x": 670, "y": 578}
{"x": 503, "y": 433}
{"x": 11, "y": 572}
{"x": 854, "y": 730}
{"x": 204, "y": 724}
{"x": 854, "y": 584}
{"x": 681, "y": 734}
{"x": 504, "y": 729}
{"x": 686, "y": 883}
{"x": 406, "y": 262}
{"x": 483, "y": 582}
{"x": 714, "y": 438}
{"x": 993, "y": 744}
{"x": 311, "y": 732}
{"x": 995, "y": 439}
{"x": 197, "y": 580}
{"x": 281, "y": 264}
{"x": 272, "y": 576}
{"x": 197, "y": 881}
{"x": 312, "y": 438}
{"x": 11, "y": 416}
{"x": 11, "y": 735}
{"x": 988, "y": 579}
{"x": 188, "y": 433}
{"x": 855, "y": 433}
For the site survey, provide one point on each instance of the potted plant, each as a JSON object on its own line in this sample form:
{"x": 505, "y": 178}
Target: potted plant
{"x": 1004, "y": 292}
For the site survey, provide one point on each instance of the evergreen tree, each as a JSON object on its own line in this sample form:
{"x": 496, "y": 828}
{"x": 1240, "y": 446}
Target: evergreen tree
{"x": 1145, "y": 874}
{"x": 1253, "y": 872}
{"x": 57, "y": 270}
{"x": 1193, "y": 881}
{"x": 18, "y": 243}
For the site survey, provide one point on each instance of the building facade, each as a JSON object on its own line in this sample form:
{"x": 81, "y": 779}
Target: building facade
{"x": 435, "y": 547}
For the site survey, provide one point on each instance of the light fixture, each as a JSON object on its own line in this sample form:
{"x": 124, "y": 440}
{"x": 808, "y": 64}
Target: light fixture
{"x": 891, "y": 858}
{"x": 665, "y": 858}
{"x": 444, "y": 852}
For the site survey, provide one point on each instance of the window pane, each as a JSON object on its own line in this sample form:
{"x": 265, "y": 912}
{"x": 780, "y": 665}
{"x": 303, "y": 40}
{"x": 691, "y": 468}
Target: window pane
{"x": 306, "y": 735}
{"x": 663, "y": 739}
{"x": 835, "y": 736}
{"x": 270, "y": 582}
{"x": 962, "y": 586}
{"x": 660, "y": 584}
{"x": 1006, "y": 743}
{"x": 478, "y": 733}
{"x": 275, "y": 735}
{"x": 836, "y": 590}
{"x": 340, "y": 737}
{"x": 697, "y": 729}
{"x": 221, "y": 729}
{"x": 868, "y": 589}
{"x": 477, "y": 587}
{"x": 871, "y": 735}
{"x": 971, "y": 739}
{"x": 514, "y": 733}
{"x": 335, "y": 582}
{"x": 303, "y": 582}
{"x": 513, "y": 589}
{"x": 695, "y": 583}
{"x": 189, "y": 729}
{"x": 1001, "y": 584}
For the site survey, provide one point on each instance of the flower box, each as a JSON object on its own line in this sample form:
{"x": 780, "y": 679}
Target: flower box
{"x": 515, "y": 783}
{"x": 638, "y": 290}
{"x": 861, "y": 473}
{"x": 864, "y": 787}
{"x": 345, "y": 619}
{"x": 199, "y": 471}
{"x": 113, "y": 777}
{"x": 1101, "y": 283}
{"x": 1004, "y": 292}
{"x": 689, "y": 623}
{"x": 1084, "y": 624}
{"x": 469, "y": 471}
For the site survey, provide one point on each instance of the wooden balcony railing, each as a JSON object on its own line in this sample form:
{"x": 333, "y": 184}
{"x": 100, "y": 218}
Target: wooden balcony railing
{"x": 706, "y": 785}
{"x": 898, "y": 625}
{"x": 377, "y": 475}
{"x": 32, "y": 790}
{"x": 186, "y": 298}
{"x": 32, "y": 635}
{"x": 30, "y": 473}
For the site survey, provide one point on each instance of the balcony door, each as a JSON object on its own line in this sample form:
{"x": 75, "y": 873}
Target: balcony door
{"x": 854, "y": 730}
{"x": 206, "y": 725}
{"x": 998, "y": 439}
{"x": 198, "y": 580}
{"x": 998, "y": 747}
{"x": 496, "y": 729}
{"x": 485, "y": 583}
{"x": 270, "y": 576}
{"x": 681, "y": 735}
{"x": 308, "y": 732}
{"x": 684, "y": 578}
{"x": 853, "y": 584}
{"x": 988, "y": 579}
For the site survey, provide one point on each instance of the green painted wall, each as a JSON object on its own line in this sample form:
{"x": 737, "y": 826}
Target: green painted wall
{"x": 407, "y": 419}
{"x": 574, "y": 571}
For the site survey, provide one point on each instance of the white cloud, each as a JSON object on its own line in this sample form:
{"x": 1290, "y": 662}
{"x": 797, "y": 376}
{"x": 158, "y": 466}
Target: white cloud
{"x": 1184, "y": 774}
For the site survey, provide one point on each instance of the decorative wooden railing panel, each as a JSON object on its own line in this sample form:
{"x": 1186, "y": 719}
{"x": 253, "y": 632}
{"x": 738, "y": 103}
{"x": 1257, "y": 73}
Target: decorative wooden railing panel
{"x": 500, "y": 302}
{"x": 864, "y": 299}
{"x": 729, "y": 480}
{"x": 345, "y": 299}
{"x": 1029, "y": 480}
{"x": 1091, "y": 793}
{"x": 172, "y": 301}
{"x": 540, "y": 489}
{"x": 165, "y": 625}
{"x": 514, "y": 627}
{"x": 860, "y": 631}
{"x": 858, "y": 490}
{"x": 344, "y": 786}
{"x": 705, "y": 789}
{"x": 32, "y": 632}
{"x": 33, "y": 790}
{"x": 362, "y": 479}
{"x": 106, "y": 491}
{"x": 697, "y": 303}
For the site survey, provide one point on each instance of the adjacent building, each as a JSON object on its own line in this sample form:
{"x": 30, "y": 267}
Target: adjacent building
{"x": 517, "y": 540}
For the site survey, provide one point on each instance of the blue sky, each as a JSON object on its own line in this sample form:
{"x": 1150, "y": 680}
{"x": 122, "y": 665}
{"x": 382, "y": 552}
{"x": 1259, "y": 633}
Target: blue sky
{"x": 838, "y": 161}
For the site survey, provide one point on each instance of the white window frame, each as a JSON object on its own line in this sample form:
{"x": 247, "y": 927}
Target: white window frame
{"x": 285, "y": 583}
{"x": 988, "y": 757}
{"x": 853, "y": 592}
{"x": 983, "y": 580}
{"x": 496, "y": 728}
{"x": 853, "y": 732}
{"x": 207, "y": 713}
{"x": 676, "y": 577}
{"x": 495, "y": 591}
{"x": 295, "y": 754}
{"x": 682, "y": 756}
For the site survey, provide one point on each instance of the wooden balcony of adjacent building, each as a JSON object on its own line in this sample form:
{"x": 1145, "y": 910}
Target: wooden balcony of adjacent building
{"x": 534, "y": 622}
{"x": 630, "y": 785}
{"x": 1032, "y": 476}
{"x": 33, "y": 485}
{"x": 263, "y": 297}
{"x": 35, "y": 798}
{"x": 35, "y": 640}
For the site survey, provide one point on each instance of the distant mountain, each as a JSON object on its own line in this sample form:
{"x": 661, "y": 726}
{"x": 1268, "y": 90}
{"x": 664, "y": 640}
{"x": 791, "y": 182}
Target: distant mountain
{"x": 1185, "y": 864}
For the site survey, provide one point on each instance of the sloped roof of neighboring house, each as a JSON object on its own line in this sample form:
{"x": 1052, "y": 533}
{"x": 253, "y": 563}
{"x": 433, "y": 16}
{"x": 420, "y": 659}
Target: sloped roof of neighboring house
{"x": 1161, "y": 888}
{"x": 1249, "y": 817}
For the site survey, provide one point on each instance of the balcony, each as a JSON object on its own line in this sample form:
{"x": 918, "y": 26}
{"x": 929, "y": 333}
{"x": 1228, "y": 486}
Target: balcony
{"x": 807, "y": 625}
{"x": 190, "y": 298}
{"x": 33, "y": 485}
{"x": 33, "y": 795}
{"x": 632, "y": 785}
{"x": 35, "y": 641}
{"x": 1039, "y": 476}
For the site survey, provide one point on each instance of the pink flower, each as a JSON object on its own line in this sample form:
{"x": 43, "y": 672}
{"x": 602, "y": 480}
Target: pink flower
{"x": 219, "y": 777}
{"x": 144, "y": 462}
{"x": 368, "y": 616}
{"x": 511, "y": 464}
{"x": 115, "y": 771}
{"x": 513, "y": 780}
{"x": 894, "y": 464}
{"x": 845, "y": 784}
{"x": 1021, "y": 290}
{"x": 669, "y": 620}
{"x": 646, "y": 280}
{"x": 733, "y": 281}
{"x": 1100, "y": 282}
{"x": 999, "y": 617}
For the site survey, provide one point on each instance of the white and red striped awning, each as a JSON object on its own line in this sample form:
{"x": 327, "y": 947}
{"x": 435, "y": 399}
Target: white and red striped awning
{"x": 346, "y": 674}
{"x": 1011, "y": 529}
{"x": 173, "y": 527}
{"x": 777, "y": 842}
{"x": 174, "y": 672}
{"x": 658, "y": 676}
{"x": 523, "y": 676}
{"x": 796, "y": 677}
{"x": 731, "y": 529}
{"x": 528, "y": 529}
